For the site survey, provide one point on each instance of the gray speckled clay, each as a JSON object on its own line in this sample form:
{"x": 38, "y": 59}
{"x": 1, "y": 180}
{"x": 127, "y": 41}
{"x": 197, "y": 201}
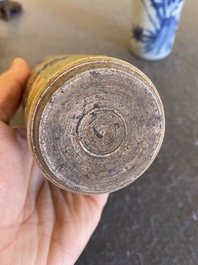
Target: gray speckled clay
{"x": 94, "y": 123}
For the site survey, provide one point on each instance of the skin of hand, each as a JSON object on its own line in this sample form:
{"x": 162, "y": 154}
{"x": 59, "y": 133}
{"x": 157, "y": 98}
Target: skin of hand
{"x": 39, "y": 223}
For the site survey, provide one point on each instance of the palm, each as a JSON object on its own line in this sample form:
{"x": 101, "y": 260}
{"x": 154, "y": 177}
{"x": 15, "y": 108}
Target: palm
{"x": 39, "y": 223}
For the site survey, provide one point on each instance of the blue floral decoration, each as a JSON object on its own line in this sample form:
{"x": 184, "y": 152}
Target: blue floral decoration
{"x": 164, "y": 23}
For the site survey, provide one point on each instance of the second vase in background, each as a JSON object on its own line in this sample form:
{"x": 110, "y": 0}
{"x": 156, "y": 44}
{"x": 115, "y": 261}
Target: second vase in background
{"x": 154, "y": 25}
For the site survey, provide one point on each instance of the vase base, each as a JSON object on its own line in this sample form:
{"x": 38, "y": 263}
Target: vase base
{"x": 149, "y": 56}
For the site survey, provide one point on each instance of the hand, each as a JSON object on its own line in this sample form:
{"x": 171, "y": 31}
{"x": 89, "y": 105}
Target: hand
{"x": 39, "y": 223}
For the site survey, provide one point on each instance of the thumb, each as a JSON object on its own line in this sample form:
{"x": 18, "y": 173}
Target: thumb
{"x": 12, "y": 84}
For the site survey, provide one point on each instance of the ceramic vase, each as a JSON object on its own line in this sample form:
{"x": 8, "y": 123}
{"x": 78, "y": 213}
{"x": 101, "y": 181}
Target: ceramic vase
{"x": 154, "y": 25}
{"x": 94, "y": 123}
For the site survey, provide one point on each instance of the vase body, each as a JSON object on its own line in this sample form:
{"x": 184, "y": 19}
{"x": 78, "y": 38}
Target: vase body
{"x": 154, "y": 25}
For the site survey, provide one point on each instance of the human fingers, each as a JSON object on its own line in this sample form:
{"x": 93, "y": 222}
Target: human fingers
{"x": 12, "y": 84}
{"x": 99, "y": 199}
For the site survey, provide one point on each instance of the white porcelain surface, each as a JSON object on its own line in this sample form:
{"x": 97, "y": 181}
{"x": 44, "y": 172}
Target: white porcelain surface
{"x": 154, "y": 25}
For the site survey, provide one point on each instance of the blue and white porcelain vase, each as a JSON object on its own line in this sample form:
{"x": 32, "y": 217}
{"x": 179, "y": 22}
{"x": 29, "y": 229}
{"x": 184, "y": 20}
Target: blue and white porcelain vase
{"x": 154, "y": 25}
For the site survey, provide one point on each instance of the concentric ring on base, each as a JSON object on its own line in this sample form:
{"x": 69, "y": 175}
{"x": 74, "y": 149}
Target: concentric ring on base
{"x": 101, "y": 132}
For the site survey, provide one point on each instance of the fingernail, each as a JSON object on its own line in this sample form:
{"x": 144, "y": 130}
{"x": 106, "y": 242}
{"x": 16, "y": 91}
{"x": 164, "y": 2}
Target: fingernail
{"x": 16, "y": 63}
